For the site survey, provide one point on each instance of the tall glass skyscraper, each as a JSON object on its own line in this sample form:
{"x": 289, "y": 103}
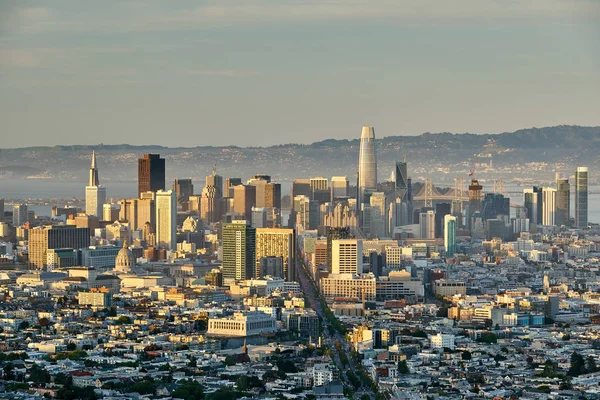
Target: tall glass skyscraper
{"x": 367, "y": 163}
{"x": 581, "y": 197}
{"x": 450, "y": 235}
{"x": 563, "y": 201}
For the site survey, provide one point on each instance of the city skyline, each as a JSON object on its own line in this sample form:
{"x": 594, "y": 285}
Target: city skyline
{"x": 352, "y": 59}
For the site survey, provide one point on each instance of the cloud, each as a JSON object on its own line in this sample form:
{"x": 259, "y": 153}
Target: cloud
{"x": 18, "y": 58}
{"x": 151, "y": 15}
{"x": 225, "y": 73}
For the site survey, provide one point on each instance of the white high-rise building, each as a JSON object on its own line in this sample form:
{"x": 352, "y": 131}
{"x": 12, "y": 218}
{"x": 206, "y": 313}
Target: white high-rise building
{"x": 367, "y": 163}
{"x": 427, "y": 225}
{"x": 339, "y": 187}
{"x": 95, "y": 194}
{"x": 548, "y": 206}
{"x": 346, "y": 256}
{"x": 378, "y": 215}
{"x": 166, "y": 219}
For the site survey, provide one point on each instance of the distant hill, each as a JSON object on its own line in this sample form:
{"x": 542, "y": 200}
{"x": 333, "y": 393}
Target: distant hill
{"x": 527, "y": 153}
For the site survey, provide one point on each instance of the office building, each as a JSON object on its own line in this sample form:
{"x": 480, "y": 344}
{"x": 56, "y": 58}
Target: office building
{"x": 95, "y": 195}
{"x": 110, "y": 212}
{"x": 244, "y": 198}
{"x": 442, "y": 341}
{"x": 581, "y": 197}
{"x": 319, "y": 183}
{"x": 277, "y": 242}
{"x": 378, "y": 216}
{"x": 335, "y": 234}
{"x": 339, "y": 187}
{"x": 563, "y": 201}
{"x": 532, "y": 201}
{"x": 270, "y": 266}
{"x": 400, "y": 176}
{"x": 441, "y": 210}
{"x": 229, "y": 185}
{"x": 151, "y": 173}
{"x": 41, "y": 239}
{"x": 95, "y": 298}
{"x": 427, "y": 225}
{"x": 99, "y": 257}
{"x": 19, "y": 216}
{"x": 493, "y": 205}
{"x": 239, "y": 250}
{"x": 450, "y": 227}
{"x": 184, "y": 188}
{"x": 242, "y": 325}
{"x": 210, "y": 205}
{"x": 367, "y": 163}
{"x": 166, "y": 220}
{"x": 349, "y": 286}
{"x": 474, "y": 200}
{"x": 548, "y": 206}
{"x": 301, "y": 187}
{"x": 347, "y": 256}
{"x": 307, "y": 212}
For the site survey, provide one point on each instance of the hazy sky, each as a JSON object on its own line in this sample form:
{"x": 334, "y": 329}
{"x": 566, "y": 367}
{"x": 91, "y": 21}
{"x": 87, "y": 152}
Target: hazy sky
{"x": 259, "y": 72}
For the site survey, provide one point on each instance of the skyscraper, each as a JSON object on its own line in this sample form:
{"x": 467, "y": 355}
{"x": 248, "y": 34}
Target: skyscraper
{"x": 347, "y": 256}
{"x": 474, "y": 200}
{"x": 151, "y": 173}
{"x": 378, "y": 215}
{"x": 441, "y": 210}
{"x": 401, "y": 176}
{"x": 581, "y": 197}
{"x": 450, "y": 226}
{"x": 166, "y": 219}
{"x": 95, "y": 195}
{"x": 229, "y": 184}
{"x": 41, "y": 239}
{"x": 239, "y": 250}
{"x": 339, "y": 187}
{"x": 184, "y": 188}
{"x": 548, "y": 206}
{"x": 427, "y": 224}
{"x": 273, "y": 242}
{"x": 367, "y": 163}
{"x": 334, "y": 234}
{"x": 244, "y": 198}
{"x": 563, "y": 201}
{"x": 532, "y": 201}
{"x": 19, "y": 214}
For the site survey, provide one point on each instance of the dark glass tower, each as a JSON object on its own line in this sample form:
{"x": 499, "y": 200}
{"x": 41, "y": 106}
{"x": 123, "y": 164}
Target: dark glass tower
{"x": 581, "y": 197}
{"x": 151, "y": 173}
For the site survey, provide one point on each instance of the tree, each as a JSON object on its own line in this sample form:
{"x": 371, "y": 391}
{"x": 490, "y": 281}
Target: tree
{"x": 488, "y": 337}
{"x": 123, "y": 320}
{"x": 38, "y": 375}
{"x": 565, "y": 384}
{"x": 23, "y": 325}
{"x": 550, "y": 369}
{"x": 566, "y": 337}
{"x": 71, "y": 346}
{"x": 590, "y": 364}
{"x": 466, "y": 355}
{"x": 403, "y": 367}
{"x": 143, "y": 387}
{"x": 577, "y": 365}
{"x": 287, "y": 366}
{"x": 246, "y": 382}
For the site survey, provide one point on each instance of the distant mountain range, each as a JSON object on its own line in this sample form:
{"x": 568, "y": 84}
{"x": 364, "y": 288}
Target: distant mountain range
{"x": 527, "y": 153}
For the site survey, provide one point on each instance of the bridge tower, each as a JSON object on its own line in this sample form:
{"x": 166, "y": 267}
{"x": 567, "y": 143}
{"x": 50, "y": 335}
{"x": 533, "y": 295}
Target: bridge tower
{"x": 428, "y": 192}
{"x": 498, "y": 186}
{"x": 459, "y": 184}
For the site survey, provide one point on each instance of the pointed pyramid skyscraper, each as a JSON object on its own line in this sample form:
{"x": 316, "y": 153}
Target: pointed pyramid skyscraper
{"x": 94, "y": 181}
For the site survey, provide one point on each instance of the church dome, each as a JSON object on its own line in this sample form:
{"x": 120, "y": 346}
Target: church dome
{"x": 125, "y": 259}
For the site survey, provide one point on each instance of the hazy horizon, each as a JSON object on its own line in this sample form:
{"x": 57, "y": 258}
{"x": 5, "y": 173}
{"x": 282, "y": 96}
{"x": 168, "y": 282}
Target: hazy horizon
{"x": 272, "y": 72}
